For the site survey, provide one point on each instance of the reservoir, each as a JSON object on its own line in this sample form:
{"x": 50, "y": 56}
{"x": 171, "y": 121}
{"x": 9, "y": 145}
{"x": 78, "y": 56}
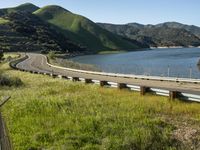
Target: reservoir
{"x": 180, "y": 62}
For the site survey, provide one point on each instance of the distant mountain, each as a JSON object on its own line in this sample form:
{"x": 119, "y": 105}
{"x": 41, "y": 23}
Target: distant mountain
{"x": 23, "y": 31}
{"x": 136, "y": 25}
{"x": 84, "y": 31}
{"x": 27, "y": 7}
{"x": 191, "y": 28}
{"x": 167, "y": 34}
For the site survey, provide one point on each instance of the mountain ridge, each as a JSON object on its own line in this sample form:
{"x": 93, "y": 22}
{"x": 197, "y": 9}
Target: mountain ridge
{"x": 165, "y": 34}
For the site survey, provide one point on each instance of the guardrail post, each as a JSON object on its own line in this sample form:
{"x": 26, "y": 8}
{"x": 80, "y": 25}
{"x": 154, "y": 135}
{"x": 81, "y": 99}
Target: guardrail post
{"x": 103, "y": 83}
{"x": 173, "y": 95}
{"x": 143, "y": 90}
{"x": 48, "y": 74}
{"x": 53, "y": 75}
{"x": 65, "y": 77}
{"x": 121, "y": 86}
{"x": 60, "y": 76}
{"x": 87, "y": 81}
{"x": 75, "y": 79}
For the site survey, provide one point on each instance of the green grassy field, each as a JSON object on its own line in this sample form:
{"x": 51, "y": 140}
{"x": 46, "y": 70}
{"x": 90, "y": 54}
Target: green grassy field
{"x": 48, "y": 113}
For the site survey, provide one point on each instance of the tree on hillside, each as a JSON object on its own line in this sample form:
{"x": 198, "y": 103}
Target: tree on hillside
{"x": 1, "y": 54}
{"x": 52, "y": 54}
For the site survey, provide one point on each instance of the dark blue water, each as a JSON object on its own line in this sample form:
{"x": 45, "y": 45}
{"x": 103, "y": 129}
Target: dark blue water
{"x": 162, "y": 62}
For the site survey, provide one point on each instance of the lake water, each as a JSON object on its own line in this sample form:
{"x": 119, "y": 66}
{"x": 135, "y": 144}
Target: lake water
{"x": 160, "y": 62}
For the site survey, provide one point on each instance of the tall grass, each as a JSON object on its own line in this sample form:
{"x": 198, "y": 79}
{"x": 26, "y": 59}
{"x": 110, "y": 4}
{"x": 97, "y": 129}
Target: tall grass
{"x": 56, "y": 114}
{"x": 8, "y": 80}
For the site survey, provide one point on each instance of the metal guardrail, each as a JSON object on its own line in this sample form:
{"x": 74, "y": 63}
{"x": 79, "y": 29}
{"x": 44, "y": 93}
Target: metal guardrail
{"x": 172, "y": 94}
{"x": 13, "y": 64}
{"x": 143, "y": 77}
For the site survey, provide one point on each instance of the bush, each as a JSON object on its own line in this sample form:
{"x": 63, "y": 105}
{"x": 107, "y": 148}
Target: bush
{"x": 10, "y": 81}
{"x": 52, "y": 54}
{"x": 44, "y": 52}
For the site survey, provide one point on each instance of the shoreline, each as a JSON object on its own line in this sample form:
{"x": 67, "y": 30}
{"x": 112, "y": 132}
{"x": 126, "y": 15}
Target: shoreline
{"x": 163, "y": 47}
{"x": 72, "y": 55}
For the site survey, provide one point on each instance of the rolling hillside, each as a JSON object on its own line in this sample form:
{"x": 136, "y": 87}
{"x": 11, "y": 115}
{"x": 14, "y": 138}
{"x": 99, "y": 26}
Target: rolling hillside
{"x": 27, "y": 7}
{"x": 158, "y": 35}
{"x": 83, "y": 31}
{"x": 22, "y": 31}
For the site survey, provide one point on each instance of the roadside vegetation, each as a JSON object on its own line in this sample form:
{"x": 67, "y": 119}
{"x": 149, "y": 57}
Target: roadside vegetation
{"x": 60, "y": 60}
{"x": 49, "y": 113}
{"x": 6, "y": 79}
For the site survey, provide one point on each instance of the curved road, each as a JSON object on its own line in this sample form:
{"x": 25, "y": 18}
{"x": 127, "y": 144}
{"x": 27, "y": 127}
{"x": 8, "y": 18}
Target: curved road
{"x": 38, "y": 63}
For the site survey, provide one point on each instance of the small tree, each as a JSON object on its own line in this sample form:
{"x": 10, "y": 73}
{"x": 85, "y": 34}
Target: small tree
{"x": 52, "y": 54}
{"x": 1, "y": 55}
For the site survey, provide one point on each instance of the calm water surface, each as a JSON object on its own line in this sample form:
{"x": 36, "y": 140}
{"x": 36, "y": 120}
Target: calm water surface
{"x": 162, "y": 62}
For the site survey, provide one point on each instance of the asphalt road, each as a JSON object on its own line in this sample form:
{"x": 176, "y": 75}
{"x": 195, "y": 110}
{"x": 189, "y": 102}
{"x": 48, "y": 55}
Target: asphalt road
{"x": 38, "y": 62}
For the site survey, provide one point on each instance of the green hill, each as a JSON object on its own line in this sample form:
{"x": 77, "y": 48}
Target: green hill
{"x": 23, "y": 31}
{"x": 82, "y": 30}
{"x": 27, "y": 7}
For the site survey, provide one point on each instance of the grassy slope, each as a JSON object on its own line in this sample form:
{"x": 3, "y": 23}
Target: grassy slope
{"x": 3, "y": 21}
{"x": 67, "y": 115}
{"x": 10, "y": 55}
{"x": 82, "y": 30}
{"x": 28, "y": 7}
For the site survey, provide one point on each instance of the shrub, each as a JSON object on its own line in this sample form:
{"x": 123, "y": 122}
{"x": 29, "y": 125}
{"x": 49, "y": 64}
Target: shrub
{"x": 44, "y": 52}
{"x": 52, "y": 54}
{"x": 10, "y": 81}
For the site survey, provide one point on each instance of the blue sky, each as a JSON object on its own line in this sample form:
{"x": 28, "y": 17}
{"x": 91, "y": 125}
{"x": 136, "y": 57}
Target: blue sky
{"x": 125, "y": 11}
